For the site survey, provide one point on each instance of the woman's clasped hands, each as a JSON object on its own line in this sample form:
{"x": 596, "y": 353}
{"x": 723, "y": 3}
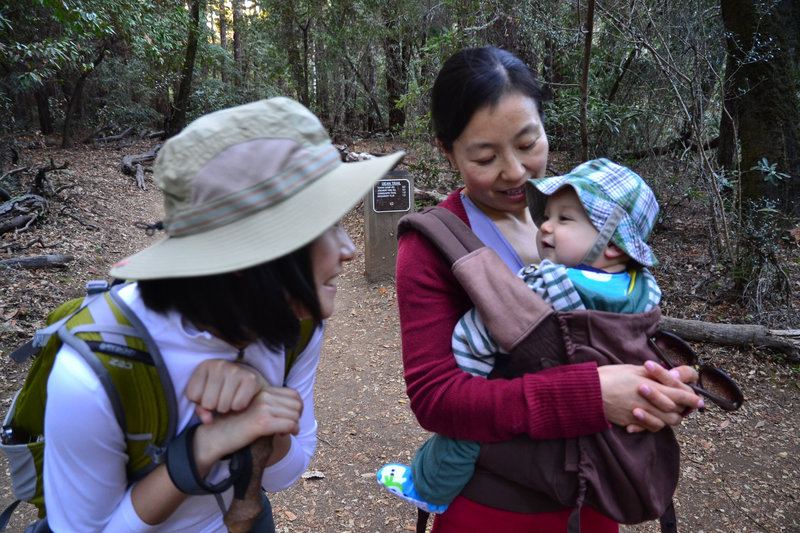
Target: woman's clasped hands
{"x": 237, "y": 406}
{"x": 660, "y": 397}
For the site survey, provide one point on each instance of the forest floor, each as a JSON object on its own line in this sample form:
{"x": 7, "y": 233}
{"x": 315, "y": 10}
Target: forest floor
{"x": 740, "y": 471}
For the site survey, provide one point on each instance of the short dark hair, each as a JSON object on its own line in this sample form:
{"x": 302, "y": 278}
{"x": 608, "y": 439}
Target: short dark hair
{"x": 471, "y": 79}
{"x": 245, "y": 305}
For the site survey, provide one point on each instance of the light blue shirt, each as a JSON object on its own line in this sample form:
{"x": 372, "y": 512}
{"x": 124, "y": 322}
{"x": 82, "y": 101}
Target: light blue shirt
{"x": 487, "y": 231}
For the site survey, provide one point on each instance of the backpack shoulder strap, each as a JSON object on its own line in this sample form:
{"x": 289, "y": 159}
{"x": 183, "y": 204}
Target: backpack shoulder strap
{"x": 128, "y": 363}
{"x": 306, "y": 332}
{"x": 444, "y": 229}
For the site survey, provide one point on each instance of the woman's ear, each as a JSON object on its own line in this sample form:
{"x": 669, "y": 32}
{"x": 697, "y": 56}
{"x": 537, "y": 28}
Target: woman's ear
{"x": 447, "y": 154}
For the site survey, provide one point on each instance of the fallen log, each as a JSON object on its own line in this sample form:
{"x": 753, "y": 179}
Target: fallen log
{"x": 38, "y": 261}
{"x": 140, "y": 177}
{"x": 112, "y": 138}
{"x": 429, "y": 195}
{"x": 16, "y": 223}
{"x": 129, "y": 162}
{"x": 12, "y": 172}
{"x": 24, "y": 204}
{"x": 93, "y": 136}
{"x": 786, "y": 341}
{"x": 19, "y": 213}
{"x": 41, "y": 184}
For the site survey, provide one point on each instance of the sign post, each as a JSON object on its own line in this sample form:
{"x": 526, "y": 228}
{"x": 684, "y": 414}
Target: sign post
{"x": 390, "y": 199}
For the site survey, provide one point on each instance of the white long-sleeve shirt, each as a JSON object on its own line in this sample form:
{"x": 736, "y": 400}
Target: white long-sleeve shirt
{"x": 86, "y": 487}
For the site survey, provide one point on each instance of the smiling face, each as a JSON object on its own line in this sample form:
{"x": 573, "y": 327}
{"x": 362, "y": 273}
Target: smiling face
{"x": 328, "y": 253}
{"x": 566, "y": 234}
{"x": 501, "y": 147}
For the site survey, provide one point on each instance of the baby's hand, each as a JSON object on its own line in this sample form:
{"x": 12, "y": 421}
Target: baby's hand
{"x": 222, "y": 386}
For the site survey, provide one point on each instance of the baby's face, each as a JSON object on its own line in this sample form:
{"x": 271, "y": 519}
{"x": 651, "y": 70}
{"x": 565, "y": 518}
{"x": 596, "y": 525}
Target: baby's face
{"x": 566, "y": 234}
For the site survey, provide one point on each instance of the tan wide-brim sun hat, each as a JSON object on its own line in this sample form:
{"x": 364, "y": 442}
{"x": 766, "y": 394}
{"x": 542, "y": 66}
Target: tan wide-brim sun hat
{"x": 246, "y": 185}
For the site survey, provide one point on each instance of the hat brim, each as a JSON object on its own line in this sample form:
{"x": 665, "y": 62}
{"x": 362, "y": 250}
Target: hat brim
{"x": 266, "y": 235}
{"x": 537, "y": 190}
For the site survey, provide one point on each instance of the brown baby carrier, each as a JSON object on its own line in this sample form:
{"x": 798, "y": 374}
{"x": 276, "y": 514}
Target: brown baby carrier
{"x": 630, "y": 478}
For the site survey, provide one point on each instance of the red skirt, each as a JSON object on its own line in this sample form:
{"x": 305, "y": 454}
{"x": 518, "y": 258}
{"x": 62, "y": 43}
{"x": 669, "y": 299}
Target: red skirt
{"x": 467, "y": 516}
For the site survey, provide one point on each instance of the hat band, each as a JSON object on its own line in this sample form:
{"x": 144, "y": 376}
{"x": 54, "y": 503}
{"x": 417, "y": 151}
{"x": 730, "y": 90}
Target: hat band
{"x": 604, "y": 237}
{"x": 241, "y": 204}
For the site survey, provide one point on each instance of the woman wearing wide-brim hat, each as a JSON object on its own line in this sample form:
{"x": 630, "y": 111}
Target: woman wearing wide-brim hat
{"x": 252, "y": 197}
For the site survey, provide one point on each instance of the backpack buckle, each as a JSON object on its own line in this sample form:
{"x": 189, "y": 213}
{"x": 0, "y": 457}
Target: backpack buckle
{"x": 96, "y": 286}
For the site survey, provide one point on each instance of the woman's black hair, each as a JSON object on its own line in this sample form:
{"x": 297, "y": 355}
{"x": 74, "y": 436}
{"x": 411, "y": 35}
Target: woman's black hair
{"x": 240, "y": 307}
{"x": 473, "y": 78}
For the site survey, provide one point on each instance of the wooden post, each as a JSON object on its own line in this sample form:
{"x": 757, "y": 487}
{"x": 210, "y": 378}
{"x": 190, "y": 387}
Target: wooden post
{"x": 390, "y": 199}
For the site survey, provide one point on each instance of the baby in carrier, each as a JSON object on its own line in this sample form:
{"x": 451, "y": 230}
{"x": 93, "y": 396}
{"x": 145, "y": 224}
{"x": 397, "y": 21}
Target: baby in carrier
{"x": 593, "y": 225}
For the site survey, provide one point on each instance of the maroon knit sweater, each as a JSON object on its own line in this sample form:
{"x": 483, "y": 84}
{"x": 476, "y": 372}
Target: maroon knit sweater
{"x": 560, "y": 402}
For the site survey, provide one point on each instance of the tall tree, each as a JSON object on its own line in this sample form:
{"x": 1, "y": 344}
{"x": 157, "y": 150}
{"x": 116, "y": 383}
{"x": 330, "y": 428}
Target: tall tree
{"x": 238, "y": 41}
{"x": 77, "y": 93}
{"x": 588, "y": 30}
{"x": 177, "y": 118}
{"x": 761, "y": 104}
{"x": 397, "y": 50}
{"x": 223, "y": 38}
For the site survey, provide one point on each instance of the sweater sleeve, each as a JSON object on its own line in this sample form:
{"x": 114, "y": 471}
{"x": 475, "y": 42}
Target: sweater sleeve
{"x": 559, "y": 402}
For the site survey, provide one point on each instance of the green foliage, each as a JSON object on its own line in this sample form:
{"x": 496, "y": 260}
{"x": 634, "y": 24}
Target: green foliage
{"x": 46, "y": 36}
{"x": 613, "y": 128}
{"x": 770, "y": 172}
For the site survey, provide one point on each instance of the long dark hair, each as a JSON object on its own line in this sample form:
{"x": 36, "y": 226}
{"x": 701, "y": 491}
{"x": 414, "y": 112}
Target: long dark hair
{"x": 471, "y": 79}
{"x": 245, "y": 305}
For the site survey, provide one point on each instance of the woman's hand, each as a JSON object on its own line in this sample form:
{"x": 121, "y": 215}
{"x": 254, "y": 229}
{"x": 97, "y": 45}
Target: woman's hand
{"x": 222, "y": 386}
{"x": 646, "y": 397}
{"x": 272, "y": 411}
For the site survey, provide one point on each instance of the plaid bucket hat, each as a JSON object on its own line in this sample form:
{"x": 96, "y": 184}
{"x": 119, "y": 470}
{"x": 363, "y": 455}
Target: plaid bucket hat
{"x": 246, "y": 185}
{"x": 618, "y": 201}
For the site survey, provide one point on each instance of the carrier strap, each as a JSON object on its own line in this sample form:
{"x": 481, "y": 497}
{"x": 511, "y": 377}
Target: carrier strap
{"x": 6, "y": 516}
{"x": 668, "y": 520}
{"x": 422, "y": 520}
{"x": 444, "y": 229}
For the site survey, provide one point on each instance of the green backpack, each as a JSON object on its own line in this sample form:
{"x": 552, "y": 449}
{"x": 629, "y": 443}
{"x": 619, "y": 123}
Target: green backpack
{"x": 117, "y": 346}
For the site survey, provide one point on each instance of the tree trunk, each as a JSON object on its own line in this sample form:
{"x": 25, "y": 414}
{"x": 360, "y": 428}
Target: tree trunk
{"x": 623, "y": 70}
{"x": 223, "y": 39}
{"x": 177, "y": 119}
{"x": 587, "y": 54}
{"x": 237, "y": 42}
{"x": 42, "y": 96}
{"x": 398, "y": 54}
{"x": 304, "y": 30}
{"x": 322, "y": 78}
{"x": 72, "y": 106}
{"x": 291, "y": 28}
{"x": 761, "y": 97}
